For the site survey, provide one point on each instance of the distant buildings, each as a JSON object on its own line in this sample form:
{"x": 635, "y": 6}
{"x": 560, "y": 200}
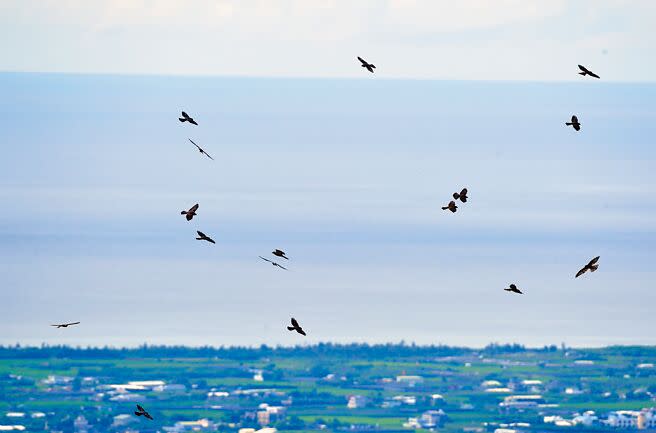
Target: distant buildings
{"x": 641, "y": 420}
{"x": 191, "y": 426}
{"x": 409, "y": 380}
{"x": 522, "y": 401}
{"x": 427, "y": 420}
{"x": 270, "y": 414}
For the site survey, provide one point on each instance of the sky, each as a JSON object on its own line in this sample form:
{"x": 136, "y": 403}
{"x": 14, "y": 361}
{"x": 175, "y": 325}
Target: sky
{"x": 430, "y": 39}
{"x": 344, "y": 170}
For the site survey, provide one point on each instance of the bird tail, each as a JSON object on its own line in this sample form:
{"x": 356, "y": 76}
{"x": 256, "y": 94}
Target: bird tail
{"x": 568, "y": 123}
{"x": 290, "y": 328}
{"x": 182, "y": 119}
{"x": 445, "y": 207}
{"x": 582, "y": 73}
{"x": 184, "y": 212}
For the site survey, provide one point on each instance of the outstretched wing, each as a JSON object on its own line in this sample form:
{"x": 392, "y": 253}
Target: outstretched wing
{"x": 139, "y": 408}
{"x": 201, "y": 234}
{"x": 593, "y": 261}
{"x": 192, "y": 142}
{"x": 464, "y": 191}
{"x": 581, "y": 272}
{"x": 208, "y": 155}
{"x": 300, "y": 331}
{"x": 281, "y": 266}
{"x": 362, "y": 61}
{"x": 73, "y": 323}
{"x": 194, "y": 208}
{"x": 592, "y": 74}
{"x": 575, "y": 119}
{"x": 295, "y": 323}
{"x": 266, "y": 260}
{"x": 583, "y": 68}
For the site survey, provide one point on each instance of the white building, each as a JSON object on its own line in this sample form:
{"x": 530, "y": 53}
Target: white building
{"x": 356, "y": 401}
{"x": 409, "y": 380}
{"x": 633, "y": 419}
{"x": 522, "y": 401}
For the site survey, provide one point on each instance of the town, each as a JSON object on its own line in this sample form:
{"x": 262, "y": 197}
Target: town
{"x": 327, "y": 387}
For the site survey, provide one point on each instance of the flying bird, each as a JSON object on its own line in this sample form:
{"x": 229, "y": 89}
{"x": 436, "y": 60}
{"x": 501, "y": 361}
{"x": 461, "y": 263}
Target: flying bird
{"x": 462, "y": 196}
{"x": 585, "y": 71}
{"x": 296, "y": 327}
{"x": 574, "y": 123}
{"x": 370, "y": 66}
{"x": 191, "y": 213}
{"x": 201, "y": 150}
{"x": 203, "y": 237}
{"x": 280, "y": 253}
{"x": 591, "y": 266}
{"x": 451, "y": 206}
{"x": 273, "y": 263}
{"x": 513, "y": 288}
{"x": 142, "y": 412}
{"x": 187, "y": 118}
{"x": 65, "y": 325}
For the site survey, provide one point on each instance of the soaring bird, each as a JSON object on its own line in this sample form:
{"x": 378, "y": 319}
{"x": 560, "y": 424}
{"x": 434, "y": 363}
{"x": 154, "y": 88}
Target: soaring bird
{"x": 451, "y": 206}
{"x": 296, "y": 327}
{"x": 280, "y": 253}
{"x": 574, "y": 123}
{"x": 591, "y": 266}
{"x": 273, "y": 263}
{"x": 513, "y": 288}
{"x": 191, "y": 213}
{"x": 370, "y": 66}
{"x": 462, "y": 196}
{"x": 201, "y": 150}
{"x": 142, "y": 412}
{"x": 187, "y": 118}
{"x": 203, "y": 237}
{"x": 66, "y": 325}
{"x": 585, "y": 71}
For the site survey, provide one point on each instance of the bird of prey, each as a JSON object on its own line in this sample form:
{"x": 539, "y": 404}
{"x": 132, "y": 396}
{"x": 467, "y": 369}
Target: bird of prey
{"x": 65, "y": 325}
{"x": 574, "y": 123}
{"x": 187, "y": 118}
{"x": 201, "y": 150}
{"x": 296, "y": 327}
{"x": 273, "y": 263}
{"x": 191, "y": 212}
{"x": 142, "y": 412}
{"x": 591, "y": 266}
{"x": 370, "y": 66}
{"x": 203, "y": 237}
{"x": 513, "y": 288}
{"x": 585, "y": 71}
{"x": 280, "y": 253}
{"x": 462, "y": 196}
{"x": 451, "y": 206}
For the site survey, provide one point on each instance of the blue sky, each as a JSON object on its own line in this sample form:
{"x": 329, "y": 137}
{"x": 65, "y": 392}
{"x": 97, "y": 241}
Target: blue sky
{"x": 343, "y": 169}
{"x": 348, "y": 177}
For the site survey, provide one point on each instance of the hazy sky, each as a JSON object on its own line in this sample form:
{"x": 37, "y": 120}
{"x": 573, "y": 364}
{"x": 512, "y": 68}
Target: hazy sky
{"x": 343, "y": 169}
{"x": 348, "y": 177}
{"x": 441, "y": 39}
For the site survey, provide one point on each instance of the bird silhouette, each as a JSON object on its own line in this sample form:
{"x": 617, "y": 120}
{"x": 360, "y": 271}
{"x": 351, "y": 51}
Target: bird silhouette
{"x": 296, "y": 327}
{"x": 591, "y": 266}
{"x": 574, "y": 123}
{"x": 370, "y": 66}
{"x": 273, "y": 263}
{"x": 201, "y": 150}
{"x": 585, "y": 71}
{"x": 203, "y": 237}
{"x": 462, "y": 196}
{"x": 451, "y": 206}
{"x": 187, "y": 118}
{"x": 65, "y": 325}
{"x": 142, "y": 412}
{"x": 191, "y": 213}
{"x": 280, "y": 253}
{"x": 513, "y": 288}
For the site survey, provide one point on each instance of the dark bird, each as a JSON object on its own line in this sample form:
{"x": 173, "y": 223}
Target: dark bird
{"x": 296, "y": 327}
{"x": 280, "y": 253}
{"x": 585, "y": 71}
{"x": 187, "y": 118}
{"x": 191, "y": 213}
{"x": 591, "y": 266}
{"x": 273, "y": 263}
{"x": 574, "y": 123}
{"x": 462, "y": 196}
{"x": 66, "y": 325}
{"x": 142, "y": 412}
{"x": 203, "y": 237}
{"x": 370, "y": 66}
{"x": 513, "y": 288}
{"x": 451, "y": 206}
{"x": 201, "y": 150}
